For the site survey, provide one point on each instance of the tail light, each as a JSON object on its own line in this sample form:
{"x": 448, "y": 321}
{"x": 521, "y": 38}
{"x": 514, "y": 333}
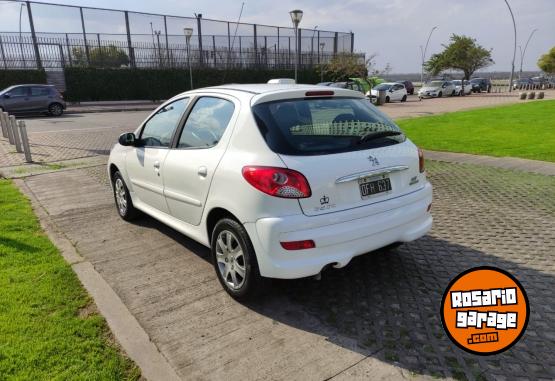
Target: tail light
{"x": 421, "y": 160}
{"x": 278, "y": 182}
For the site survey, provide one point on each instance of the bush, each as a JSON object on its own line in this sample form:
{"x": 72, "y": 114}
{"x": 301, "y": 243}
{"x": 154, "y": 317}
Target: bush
{"x": 17, "y": 77}
{"x": 93, "y": 84}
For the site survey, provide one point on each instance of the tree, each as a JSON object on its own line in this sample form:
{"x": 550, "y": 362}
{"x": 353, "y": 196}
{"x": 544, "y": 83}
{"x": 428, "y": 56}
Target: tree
{"x": 462, "y": 53}
{"x": 344, "y": 66}
{"x": 104, "y": 56}
{"x": 547, "y": 62}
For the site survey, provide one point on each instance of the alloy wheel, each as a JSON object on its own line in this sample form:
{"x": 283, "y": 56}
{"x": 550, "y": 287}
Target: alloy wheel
{"x": 230, "y": 260}
{"x": 121, "y": 197}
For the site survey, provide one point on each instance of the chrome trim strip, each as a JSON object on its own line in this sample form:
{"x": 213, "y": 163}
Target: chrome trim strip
{"x": 375, "y": 172}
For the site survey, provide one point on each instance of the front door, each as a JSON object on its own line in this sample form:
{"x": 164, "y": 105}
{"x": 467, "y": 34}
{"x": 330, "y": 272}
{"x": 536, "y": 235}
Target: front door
{"x": 18, "y": 100}
{"x": 189, "y": 168}
{"x": 145, "y": 162}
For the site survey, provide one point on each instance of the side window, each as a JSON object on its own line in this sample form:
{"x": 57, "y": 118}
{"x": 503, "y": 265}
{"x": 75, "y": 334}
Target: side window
{"x": 39, "y": 91}
{"x": 206, "y": 123}
{"x": 159, "y": 129}
{"x": 19, "y": 92}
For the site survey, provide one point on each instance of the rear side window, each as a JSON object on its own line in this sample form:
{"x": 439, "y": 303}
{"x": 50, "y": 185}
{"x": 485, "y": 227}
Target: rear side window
{"x": 206, "y": 123}
{"x": 324, "y": 126}
{"x": 39, "y": 91}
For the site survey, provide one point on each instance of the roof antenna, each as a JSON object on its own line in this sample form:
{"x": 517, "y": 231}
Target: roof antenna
{"x": 233, "y": 42}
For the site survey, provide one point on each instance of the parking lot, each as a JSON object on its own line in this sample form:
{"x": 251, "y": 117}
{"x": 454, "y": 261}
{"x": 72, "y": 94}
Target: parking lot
{"x": 378, "y": 317}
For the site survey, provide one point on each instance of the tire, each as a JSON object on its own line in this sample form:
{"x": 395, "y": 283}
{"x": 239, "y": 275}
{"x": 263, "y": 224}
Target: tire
{"x": 404, "y": 99}
{"x": 124, "y": 204}
{"x": 387, "y": 100}
{"x": 440, "y": 95}
{"x": 56, "y": 109}
{"x": 234, "y": 260}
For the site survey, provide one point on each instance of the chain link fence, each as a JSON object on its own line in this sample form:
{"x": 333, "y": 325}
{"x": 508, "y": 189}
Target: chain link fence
{"x": 58, "y": 36}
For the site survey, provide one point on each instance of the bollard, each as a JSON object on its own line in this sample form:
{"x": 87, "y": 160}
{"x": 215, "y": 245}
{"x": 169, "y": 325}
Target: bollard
{"x": 523, "y": 95}
{"x": 4, "y": 125}
{"x": 9, "y": 128}
{"x": 15, "y": 134}
{"x": 541, "y": 94}
{"x": 25, "y": 141}
{"x": 532, "y": 95}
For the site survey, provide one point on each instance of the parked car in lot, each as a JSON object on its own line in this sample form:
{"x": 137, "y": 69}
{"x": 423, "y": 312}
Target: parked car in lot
{"x": 394, "y": 91}
{"x": 279, "y": 181}
{"x": 409, "y": 86}
{"x": 21, "y": 99}
{"x": 459, "y": 87}
{"x": 437, "y": 89}
{"x": 480, "y": 84}
{"x": 522, "y": 83}
{"x": 539, "y": 81}
{"x": 351, "y": 85}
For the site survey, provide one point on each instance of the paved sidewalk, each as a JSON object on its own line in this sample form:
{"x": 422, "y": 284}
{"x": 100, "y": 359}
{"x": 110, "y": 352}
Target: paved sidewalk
{"x": 525, "y": 165}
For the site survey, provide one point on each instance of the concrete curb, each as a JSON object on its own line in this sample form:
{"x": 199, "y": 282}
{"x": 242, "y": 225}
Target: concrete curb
{"x": 127, "y": 330}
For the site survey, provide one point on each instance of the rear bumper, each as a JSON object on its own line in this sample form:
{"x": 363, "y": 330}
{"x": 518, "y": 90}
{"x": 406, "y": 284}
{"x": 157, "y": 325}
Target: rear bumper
{"x": 338, "y": 236}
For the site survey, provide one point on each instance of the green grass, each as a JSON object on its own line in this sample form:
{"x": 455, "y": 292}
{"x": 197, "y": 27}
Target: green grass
{"x": 525, "y": 130}
{"x": 48, "y": 330}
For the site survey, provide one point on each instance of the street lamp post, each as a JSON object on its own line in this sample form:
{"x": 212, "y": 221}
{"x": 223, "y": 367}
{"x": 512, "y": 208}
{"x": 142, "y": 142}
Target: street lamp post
{"x": 322, "y": 45}
{"x": 423, "y": 52}
{"x": 296, "y": 17}
{"x": 188, "y": 33}
{"x": 514, "y": 50}
{"x": 523, "y": 52}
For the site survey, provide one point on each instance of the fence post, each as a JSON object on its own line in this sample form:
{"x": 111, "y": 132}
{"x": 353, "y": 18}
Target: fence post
{"x": 278, "y": 55}
{"x": 85, "y": 36}
{"x": 167, "y": 43}
{"x": 299, "y": 46}
{"x": 318, "y": 47}
{"x": 34, "y": 36}
{"x": 289, "y": 53}
{"x": 214, "y": 49}
{"x": 62, "y": 56}
{"x": 352, "y": 42}
{"x": 4, "y": 125}
{"x": 3, "y": 55}
{"x": 68, "y": 51}
{"x": 255, "y": 46}
{"x": 129, "y": 44}
{"x": 199, "y": 29}
{"x": 335, "y": 44}
{"x": 15, "y": 134}
{"x": 25, "y": 141}
{"x": 228, "y": 46}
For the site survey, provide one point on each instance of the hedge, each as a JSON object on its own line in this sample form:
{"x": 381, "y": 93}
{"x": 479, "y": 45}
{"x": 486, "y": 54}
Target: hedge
{"x": 92, "y": 84}
{"x": 17, "y": 77}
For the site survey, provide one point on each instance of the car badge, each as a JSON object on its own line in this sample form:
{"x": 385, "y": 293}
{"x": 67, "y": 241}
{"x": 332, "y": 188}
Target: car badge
{"x": 375, "y": 162}
{"x": 324, "y": 200}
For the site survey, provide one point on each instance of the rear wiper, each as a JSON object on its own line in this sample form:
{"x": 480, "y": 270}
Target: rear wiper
{"x": 378, "y": 134}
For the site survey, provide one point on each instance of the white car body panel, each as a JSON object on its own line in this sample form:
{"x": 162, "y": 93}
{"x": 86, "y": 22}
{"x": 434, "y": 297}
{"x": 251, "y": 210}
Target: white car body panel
{"x": 178, "y": 196}
{"x": 467, "y": 88}
{"x": 428, "y": 91}
{"x": 394, "y": 95}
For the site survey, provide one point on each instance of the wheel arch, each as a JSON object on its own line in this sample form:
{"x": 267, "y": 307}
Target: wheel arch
{"x": 213, "y": 216}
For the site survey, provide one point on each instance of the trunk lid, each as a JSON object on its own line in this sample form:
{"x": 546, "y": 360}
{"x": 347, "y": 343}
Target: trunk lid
{"x": 335, "y": 179}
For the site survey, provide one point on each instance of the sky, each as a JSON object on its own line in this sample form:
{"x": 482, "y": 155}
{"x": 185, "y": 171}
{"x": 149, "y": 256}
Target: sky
{"x": 393, "y": 29}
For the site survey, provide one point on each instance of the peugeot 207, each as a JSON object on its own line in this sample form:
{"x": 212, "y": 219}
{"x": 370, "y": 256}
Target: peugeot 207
{"x": 279, "y": 181}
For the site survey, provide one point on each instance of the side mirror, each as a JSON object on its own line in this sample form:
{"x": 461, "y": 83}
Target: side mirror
{"x": 127, "y": 139}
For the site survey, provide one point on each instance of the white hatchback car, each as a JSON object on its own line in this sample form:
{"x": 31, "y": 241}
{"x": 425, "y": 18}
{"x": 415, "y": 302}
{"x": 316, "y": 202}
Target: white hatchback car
{"x": 280, "y": 181}
{"x": 394, "y": 91}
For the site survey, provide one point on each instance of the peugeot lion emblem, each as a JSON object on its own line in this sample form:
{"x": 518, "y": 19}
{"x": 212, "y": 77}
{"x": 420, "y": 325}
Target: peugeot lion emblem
{"x": 324, "y": 200}
{"x": 375, "y": 162}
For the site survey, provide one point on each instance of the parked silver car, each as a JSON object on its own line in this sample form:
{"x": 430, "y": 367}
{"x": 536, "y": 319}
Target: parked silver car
{"x": 21, "y": 99}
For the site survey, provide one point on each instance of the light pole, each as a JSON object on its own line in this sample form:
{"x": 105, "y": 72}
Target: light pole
{"x": 20, "y": 39}
{"x": 188, "y": 33}
{"x": 322, "y": 45}
{"x": 523, "y": 52}
{"x": 296, "y": 17}
{"x": 423, "y": 52}
{"x": 514, "y": 50}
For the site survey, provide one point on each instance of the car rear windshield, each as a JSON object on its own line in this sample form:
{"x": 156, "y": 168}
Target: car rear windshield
{"x": 322, "y": 126}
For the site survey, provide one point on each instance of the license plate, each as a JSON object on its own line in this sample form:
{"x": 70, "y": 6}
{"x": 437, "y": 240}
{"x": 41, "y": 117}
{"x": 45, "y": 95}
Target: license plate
{"x": 369, "y": 188}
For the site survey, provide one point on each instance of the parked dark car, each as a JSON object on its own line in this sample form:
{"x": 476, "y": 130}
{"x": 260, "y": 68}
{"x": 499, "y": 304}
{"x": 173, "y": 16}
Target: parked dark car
{"x": 480, "y": 84}
{"x": 22, "y": 99}
{"x": 409, "y": 86}
{"x": 540, "y": 81}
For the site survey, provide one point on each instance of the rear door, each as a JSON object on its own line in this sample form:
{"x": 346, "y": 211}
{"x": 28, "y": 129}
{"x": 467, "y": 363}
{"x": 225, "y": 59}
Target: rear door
{"x": 321, "y": 138}
{"x": 39, "y": 98}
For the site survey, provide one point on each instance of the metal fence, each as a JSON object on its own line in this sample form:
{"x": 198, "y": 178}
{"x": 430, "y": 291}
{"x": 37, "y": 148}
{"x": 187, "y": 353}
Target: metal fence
{"x": 59, "y": 36}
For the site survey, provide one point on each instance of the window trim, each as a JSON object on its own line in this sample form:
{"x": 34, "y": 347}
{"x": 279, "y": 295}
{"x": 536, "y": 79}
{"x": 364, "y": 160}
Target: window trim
{"x": 196, "y": 97}
{"x": 179, "y": 124}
